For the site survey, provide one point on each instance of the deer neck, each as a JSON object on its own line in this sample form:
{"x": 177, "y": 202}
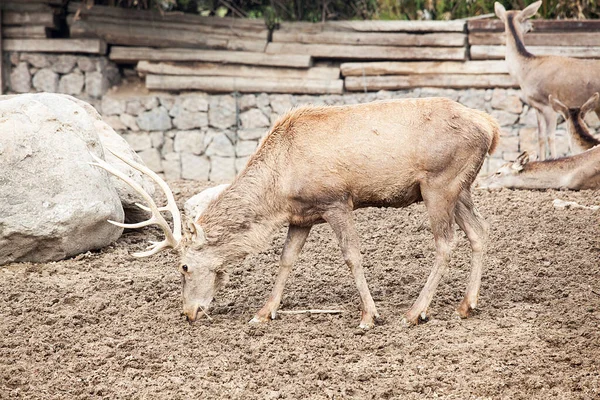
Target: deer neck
{"x": 579, "y": 131}
{"x": 517, "y": 56}
{"x": 245, "y": 217}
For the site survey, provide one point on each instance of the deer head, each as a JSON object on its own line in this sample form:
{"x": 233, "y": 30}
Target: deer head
{"x": 202, "y": 270}
{"x": 506, "y": 175}
{"x": 521, "y": 18}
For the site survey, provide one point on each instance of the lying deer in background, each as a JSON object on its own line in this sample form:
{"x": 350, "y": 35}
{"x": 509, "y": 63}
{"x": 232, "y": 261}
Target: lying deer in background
{"x": 575, "y": 119}
{"x": 581, "y": 171}
{"x": 568, "y": 79}
{"x": 318, "y": 164}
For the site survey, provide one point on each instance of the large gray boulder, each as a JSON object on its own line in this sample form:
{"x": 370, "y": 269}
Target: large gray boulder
{"x": 53, "y": 203}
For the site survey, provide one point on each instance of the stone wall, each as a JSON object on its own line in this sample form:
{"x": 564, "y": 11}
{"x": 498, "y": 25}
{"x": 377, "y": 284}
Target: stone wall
{"x": 210, "y": 137}
{"x": 85, "y": 77}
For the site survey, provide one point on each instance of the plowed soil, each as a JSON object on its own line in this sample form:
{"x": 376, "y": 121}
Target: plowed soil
{"x": 106, "y": 325}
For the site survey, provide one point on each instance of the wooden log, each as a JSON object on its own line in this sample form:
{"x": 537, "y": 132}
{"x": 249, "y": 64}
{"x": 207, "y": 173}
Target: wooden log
{"x": 220, "y": 84}
{"x": 1, "y": 57}
{"x": 453, "y": 81}
{"x": 499, "y": 52}
{"x": 89, "y": 46}
{"x": 148, "y": 36}
{"x": 135, "y": 54}
{"x": 347, "y": 52}
{"x": 11, "y": 18}
{"x": 376, "y": 26}
{"x": 539, "y": 25}
{"x": 228, "y": 31}
{"x": 178, "y": 17}
{"x": 378, "y": 39}
{"x": 19, "y": 6}
{"x": 210, "y": 69}
{"x": 539, "y": 39}
{"x": 424, "y": 68}
{"x": 24, "y": 31}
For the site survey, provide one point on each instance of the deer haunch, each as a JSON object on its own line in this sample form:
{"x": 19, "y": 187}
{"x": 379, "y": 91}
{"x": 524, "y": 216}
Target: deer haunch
{"x": 318, "y": 164}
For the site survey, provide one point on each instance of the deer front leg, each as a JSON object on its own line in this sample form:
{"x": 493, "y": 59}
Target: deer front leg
{"x": 294, "y": 242}
{"x": 550, "y": 118}
{"x": 541, "y": 123}
{"x": 343, "y": 225}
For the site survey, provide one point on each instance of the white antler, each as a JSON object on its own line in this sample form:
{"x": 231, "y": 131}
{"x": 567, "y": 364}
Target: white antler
{"x": 172, "y": 237}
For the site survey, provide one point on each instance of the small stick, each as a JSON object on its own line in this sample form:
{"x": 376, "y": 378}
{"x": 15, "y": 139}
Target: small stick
{"x": 294, "y": 312}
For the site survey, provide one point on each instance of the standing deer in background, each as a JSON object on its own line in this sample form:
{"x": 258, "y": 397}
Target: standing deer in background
{"x": 318, "y": 164}
{"x": 575, "y": 119}
{"x": 578, "y": 172}
{"x": 569, "y": 79}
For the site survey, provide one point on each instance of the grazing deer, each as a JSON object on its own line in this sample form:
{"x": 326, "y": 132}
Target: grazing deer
{"x": 318, "y": 164}
{"x": 568, "y": 79}
{"x": 576, "y": 126}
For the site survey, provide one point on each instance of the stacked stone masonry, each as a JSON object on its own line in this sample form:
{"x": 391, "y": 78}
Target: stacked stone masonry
{"x": 200, "y": 136}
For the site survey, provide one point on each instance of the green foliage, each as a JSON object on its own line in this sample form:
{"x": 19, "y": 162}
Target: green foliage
{"x": 274, "y": 11}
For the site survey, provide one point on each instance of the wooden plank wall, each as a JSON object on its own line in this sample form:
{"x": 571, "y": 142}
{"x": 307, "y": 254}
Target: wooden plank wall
{"x": 173, "y": 51}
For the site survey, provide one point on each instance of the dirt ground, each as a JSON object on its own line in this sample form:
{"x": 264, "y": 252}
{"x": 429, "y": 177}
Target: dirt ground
{"x": 105, "y": 325}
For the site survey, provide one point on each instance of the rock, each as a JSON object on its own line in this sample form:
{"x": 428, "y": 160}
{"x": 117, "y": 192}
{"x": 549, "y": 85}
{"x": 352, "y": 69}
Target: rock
{"x": 528, "y": 117}
{"x": 54, "y": 203}
{"x": 138, "y": 141}
{"x": 130, "y": 122}
{"x": 45, "y": 80}
{"x": 196, "y": 204}
{"x": 507, "y": 143}
{"x": 189, "y": 142}
{"x": 115, "y": 122}
{"x": 64, "y": 64}
{"x": 434, "y": 92}
{"x": 219, "y": 145}
{"x": 86, "y": 64}
{"x": 251, "y": 134}
{"x": 222, "y": 112}
{"x": 96, "y": 84}
{"x": 473, "y": 98}
{"x": 507, "y": 100}
{"x": 15, "y": 59}
{"x": 247, "y": 102}
{"x": 254, "y": 119}
{"x": 155, "y": 120}
{"x": 528, "y": 140}
{"x": 38, "y": 60}
{"x": 240, "y": 163}
{"x": 504, "y": 118}
{"x": 263, "y": 101}
{"x": 71, "y": 84}
{"x": 281, "y": 103}
{"x": 167, "y": 101}
{"x": 189, "y": 120}
{"x": 149, "y": 102}
{"x": 20, "y": 78}
{"x": 222, "y": 169}
{"x": 245, "y": 148}
{"x": 194, "y": 102}
{"x": 157, "y": 138}
{"x": 112, "y": 106}
{"x": 194, "y": 167}
{"x": 172, "y": 166}
{"x": 134, "y": 107}
{"x": 592, "y": 120}
{"x": 152, "y": 159}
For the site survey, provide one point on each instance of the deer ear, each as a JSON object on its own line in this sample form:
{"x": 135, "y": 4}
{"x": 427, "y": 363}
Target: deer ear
{"x": 500, "y": 11}
{"x": 196, "y": 234}
{"x": 530, "y": 10}
{"x": 590, "y": 105}
{"x": 559, "y": 106}
{"x": 520, "y": 162}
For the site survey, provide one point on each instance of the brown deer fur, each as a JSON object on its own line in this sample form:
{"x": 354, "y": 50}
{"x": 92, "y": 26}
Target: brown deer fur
{"x": 318, "y": 164}
{"x": 568, "y": 79}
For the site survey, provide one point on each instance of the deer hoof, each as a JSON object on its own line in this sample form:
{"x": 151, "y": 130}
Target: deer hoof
{"x": 407, "y": 321}
{"x": 365, "y": 326}
{"x": 259, "y": 320}
{"x": 465, "y": 309}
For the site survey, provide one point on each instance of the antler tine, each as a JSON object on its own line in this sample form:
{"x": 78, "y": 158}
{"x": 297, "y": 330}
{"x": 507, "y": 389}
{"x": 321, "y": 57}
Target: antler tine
{"x": 171, "y": 204}
{"x": 172, "y": 238}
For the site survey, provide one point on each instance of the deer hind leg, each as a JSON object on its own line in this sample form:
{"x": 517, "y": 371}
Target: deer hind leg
{"x": 342, "y": 223}
{"x": 440, "y": 205}
{"x": 294, "y": 242}
{"x": 476, "y": 229}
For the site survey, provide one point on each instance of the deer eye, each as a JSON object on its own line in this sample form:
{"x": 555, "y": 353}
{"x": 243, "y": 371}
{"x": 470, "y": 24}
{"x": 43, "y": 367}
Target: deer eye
{"x": 184, "y": 268}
